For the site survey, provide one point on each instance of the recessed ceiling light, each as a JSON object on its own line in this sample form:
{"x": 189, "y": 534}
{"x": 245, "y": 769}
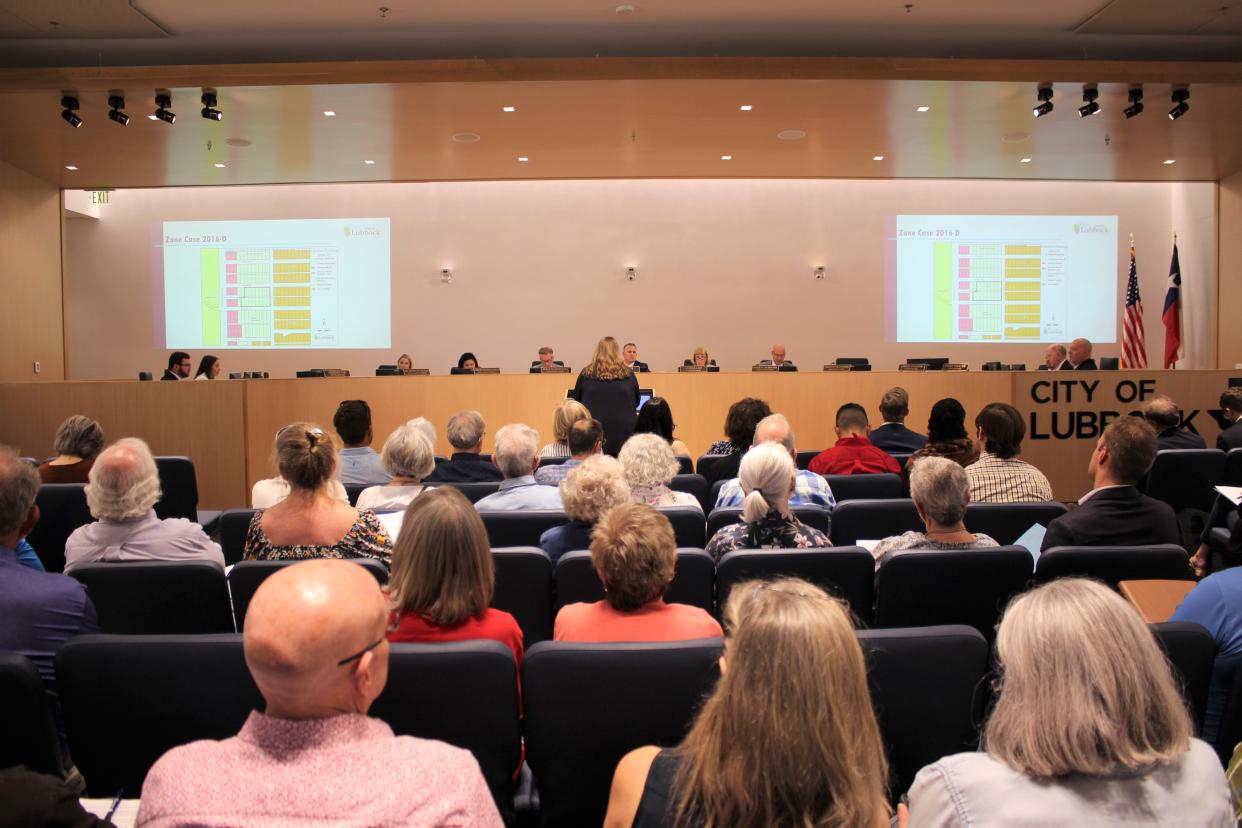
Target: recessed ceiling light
{"x": 877, "y": 158}
{"x": 509, "y": 108}
{"x": 328, "y": 113}
{"x": 70, "y": 168}
{"x": 466, "y": 137}
{"x": 791, "y": 134}
{"x": 922, "y": 109}
{"x": 368, "y": 161}
{"x": 746, "y": 107}
{"x": 523, "y": 158}
{"x": 726, "y": 158}
{"x": 1024, "y": 160}
{"x": 1170, "y": 161}
{"x": 219, "y": 165}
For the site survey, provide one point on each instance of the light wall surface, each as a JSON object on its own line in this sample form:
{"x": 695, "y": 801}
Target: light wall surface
{"x": 726, "y": 264}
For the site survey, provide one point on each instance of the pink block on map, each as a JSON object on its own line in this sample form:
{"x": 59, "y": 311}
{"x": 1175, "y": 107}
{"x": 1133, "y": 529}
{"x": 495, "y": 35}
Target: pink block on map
{"x": 232, "y": 317}
{"x": 231, "y": 279}
{"x": 230, "y": 256}
{"x": 234, "y": 330}
{"x": 963, "y": 312}
{"x": 965, "y": 324}
{"x": 963, "y": 249}
{"x": 231, "y": 292}
{"x": 964, "y": 296}
{"x": 232, "y": 303}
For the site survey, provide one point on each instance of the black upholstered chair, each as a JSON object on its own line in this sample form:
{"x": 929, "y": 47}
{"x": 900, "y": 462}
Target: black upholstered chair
{"x": 464, "y": 693}
{"x": 1192, "y": 652}
{"x": 524, "y": 590}
{"x": 1229, "y": 733}
{"x": 817, "y": 517}
{"x": 695, "y": 484}
{"x": 1186, "y": 478}
{"x": 1232, "y": 475}
{"x": 234, "y": 523}
{"x": 713, "y": 494}
{"x": 353, "y": 490}
{"x": 705, "y": 462}
{"x": 26, "y": 718}
{"x": 693, "y": 580}
{"x": 688, "y": 526}
{"x": 1113, "y": 564}
{"x": 902, "y": 459}
{"x": 157, "y": 597}
{"x": 474, "y": 492}
{"x": 551, "y": 461}
{"x": 179, "y": 487}
{"x": 246, "y": 576}
{"x": 685, "y": 463}
{"x": 804, "y": 458}
{"x": 856, "y": 520}
{"x": 519, "y": 528}
{"x": 967, "y": 586}
{"x": 865, "y": 486}
{"x": 1006, "y": 522}
{"x": 587, "y": 705}
{"x": 845, "y": 571}
{"x": 62, "y": 509}
{"x": 127, "y": 700}
{"x": 928, "y": 686}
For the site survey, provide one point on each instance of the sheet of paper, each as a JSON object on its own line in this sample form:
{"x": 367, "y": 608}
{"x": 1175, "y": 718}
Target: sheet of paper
{"x": 391, "y": 521}
{"x": 1032, "y": 539}
{"x": 125, "y": 815}
{"x": 869, "y": 545}
{"x": 1233, "y": 493}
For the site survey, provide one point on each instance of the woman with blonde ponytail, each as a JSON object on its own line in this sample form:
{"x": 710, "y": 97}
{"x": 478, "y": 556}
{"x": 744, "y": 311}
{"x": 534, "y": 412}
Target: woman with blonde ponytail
{"x": 788, "y": 738}
{"x": 766, "y": 476}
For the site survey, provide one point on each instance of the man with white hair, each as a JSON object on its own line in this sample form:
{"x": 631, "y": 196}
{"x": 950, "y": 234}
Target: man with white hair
{"x": 315, "y": 643}
{"x": 517, "y": 455}
{"x": 1054, "y": 357}
{"x": 810, "y": 489}
{"x": 124, "y": 486}
{"x": 465, "y": 434}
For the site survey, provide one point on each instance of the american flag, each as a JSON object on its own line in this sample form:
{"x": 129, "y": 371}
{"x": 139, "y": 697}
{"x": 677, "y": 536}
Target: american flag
{"x": 1133, "y": 340}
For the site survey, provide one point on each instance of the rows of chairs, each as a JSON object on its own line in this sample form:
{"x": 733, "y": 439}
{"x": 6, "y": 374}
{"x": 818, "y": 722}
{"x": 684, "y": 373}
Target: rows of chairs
{"x": 1187, "y": 478}
{"x": 126, "y": 700}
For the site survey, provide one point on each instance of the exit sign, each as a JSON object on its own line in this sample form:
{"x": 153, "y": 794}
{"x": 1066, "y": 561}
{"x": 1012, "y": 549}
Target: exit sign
{"x": 101, "y": 196}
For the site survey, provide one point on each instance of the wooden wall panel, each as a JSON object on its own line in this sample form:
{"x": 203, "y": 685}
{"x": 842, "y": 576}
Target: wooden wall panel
{"x": 30, "y": 286}
{"x": 1229, "y": 301}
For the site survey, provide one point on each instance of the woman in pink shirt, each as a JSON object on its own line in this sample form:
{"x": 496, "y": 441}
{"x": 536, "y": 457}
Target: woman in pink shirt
{"x": 443, "y": 576}
{"x": 634, "y": 552}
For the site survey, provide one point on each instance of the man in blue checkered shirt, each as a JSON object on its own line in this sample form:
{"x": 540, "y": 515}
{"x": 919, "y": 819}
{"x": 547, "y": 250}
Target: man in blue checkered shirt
{"x": 810, "y": 489}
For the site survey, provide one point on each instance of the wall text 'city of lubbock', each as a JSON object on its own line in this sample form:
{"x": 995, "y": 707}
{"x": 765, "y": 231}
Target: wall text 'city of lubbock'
{"x": 1095, "y": 396}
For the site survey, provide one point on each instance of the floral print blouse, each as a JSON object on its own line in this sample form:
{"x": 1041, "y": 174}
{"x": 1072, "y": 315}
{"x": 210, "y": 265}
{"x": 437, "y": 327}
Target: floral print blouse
{"x": 774, "y": 531}
{"x": 367, "y": 538}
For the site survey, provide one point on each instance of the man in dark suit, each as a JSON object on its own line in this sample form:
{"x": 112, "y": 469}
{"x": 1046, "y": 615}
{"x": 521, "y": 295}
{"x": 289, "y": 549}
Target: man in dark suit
{"x": 179, "y": 366}
{"x": 893, "y": 436}
{"x": 1054, "y": 358}
{"x": 465, "y": 433}
{"x": 629, "y": 355}
{"x": 1078, "y": 356}
{"x": 1164, "y": 417}
{"x": 1231, "y": 407}
{"x": 547, "y": 359}
{"x": 1114, "y": 512}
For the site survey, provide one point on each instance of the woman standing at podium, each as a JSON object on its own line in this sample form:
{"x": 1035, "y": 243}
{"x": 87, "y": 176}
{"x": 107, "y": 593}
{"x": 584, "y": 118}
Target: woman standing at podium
{"x": 610, "y": 392}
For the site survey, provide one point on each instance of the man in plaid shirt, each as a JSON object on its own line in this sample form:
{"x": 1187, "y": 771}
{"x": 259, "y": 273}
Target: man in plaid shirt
{"x": 998, "y": 476}
{"x": 810, "y": 489}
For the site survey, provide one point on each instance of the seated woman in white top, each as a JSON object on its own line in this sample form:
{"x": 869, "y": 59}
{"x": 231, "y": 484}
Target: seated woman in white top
{"x": 649, "y": 465}
{"x": 566, "y": 414}
{"x": 1089, "y": 727}
{"x": 409, "y": 457}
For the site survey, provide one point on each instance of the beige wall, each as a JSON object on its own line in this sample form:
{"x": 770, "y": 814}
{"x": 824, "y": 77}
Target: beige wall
{"x": 30, "y": 288}
{"x": 722, "y": 263}
{"x": 1229, "y": 340}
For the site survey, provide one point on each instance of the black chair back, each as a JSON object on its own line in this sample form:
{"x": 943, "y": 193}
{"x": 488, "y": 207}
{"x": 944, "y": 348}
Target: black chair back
{"x": 464, "y": 693}
{"x": 353, "y": 490}
{"x": 234, "y": 523}
{"x": 695, "y": 484}
{"x": 179, "y": 485}
{"x": 26, "y": 718}
{"x": 928, "y": 686}
{"x": 685, "y": 463}
{"x": 127, "y": 700}
{"x": 817, "y": 517}
{"x": 804, "y": 459}
{"x": 856, "y": 520}
{"x": 1110, "y": 363}
{"x": 519, "y": 528}
{"x": 475, "y": 492}
{"x": 587, "y": 705}
{"x": 1232, "y": 476}
{"x": 1113, "y": 564}
{"x": 968, "y": 586}
{"x": 246, "y": 576}
{"x": 1006, "y": 522}
{"x": 524, "y": 590}
{"x": 688, "y": 526}
{"x": 865, "y": 486}
{"x": 713, "y": 494}
{"x": 551, "y": 461}
{"x": 902, "y": 459}
{"x": 1192, "y": 652}
{"x": 693, "y": 580}
{"x": 1186, "y": 478}
{"x": 62, "y": 509}
{"x": 705, "y": 462}
{"x": 845, "y": 571}
{"x": 157, "y": 597}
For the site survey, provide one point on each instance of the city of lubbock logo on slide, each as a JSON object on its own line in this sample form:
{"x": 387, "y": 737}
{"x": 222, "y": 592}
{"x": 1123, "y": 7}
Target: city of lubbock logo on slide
{"x": 1089, "y": 228}
{"x": 361, "y": 231}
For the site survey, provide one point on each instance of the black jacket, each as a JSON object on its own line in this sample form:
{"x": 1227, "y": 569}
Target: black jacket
{"x": 1120, "y": 516}
{"x": 465, "y": 467}
{"x": 1087, "y": 364}
{"x": 895, "y": 437}
{"x": 1179, "y": 438}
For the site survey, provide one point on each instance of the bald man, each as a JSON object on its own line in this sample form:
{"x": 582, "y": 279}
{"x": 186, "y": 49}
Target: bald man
{"x": 778, "y": 359}
{"x": 809, "y": 487}
{"x": 1078, "y": 356}
{"x": 315, "y": 644}
{"x": 1164, "y": 416}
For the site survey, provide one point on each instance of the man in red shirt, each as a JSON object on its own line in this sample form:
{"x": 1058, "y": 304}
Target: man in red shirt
{"x": 853, "y": 453}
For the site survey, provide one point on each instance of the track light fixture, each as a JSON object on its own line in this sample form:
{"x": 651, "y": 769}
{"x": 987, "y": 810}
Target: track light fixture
{"x": 117, "y": 103}
{"x": 1180, "y": 97}
{"x": 1090, "y": 106}
{"x": 1045, "y": 102}
{"x": 70, "y": 104}
{"x": 209, "y": 107}
{"x": 162, "y": 102}
{"x": 1136, "y": 103}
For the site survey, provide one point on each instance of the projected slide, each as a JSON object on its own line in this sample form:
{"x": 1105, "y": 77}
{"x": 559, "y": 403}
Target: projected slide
{"x": 1003, "y": 278}
{"x": 306, "y": 283}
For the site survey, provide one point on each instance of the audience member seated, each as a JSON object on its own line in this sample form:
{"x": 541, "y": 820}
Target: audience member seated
{"x": 788, "y": 737}
{"x": 39, "y": 611}
{"x": 123, "y": 489}
{"x": 1054, "y": 357}
{"x": 208, "y": 368}
{"x": 467, "y": 362}
{"x": 409, "y": 457}
{"x": 1216, "y": 605}
{"x": 767, "y": 479}
{"x": 315, "y": 644}
{"x": 998, "y": 476}
{"x": 310, "y": 523}
{"x": 1231, "y": 410}
{"x": 516, "y": 447}
{"x": 1088, "y": 728}
{"x": 589, "y": 491}
{"x": 1164, "y": 417}
{"x": 656, "y": 417}
{"x": 634, "y": 553}
{"x": 443, "y": 576}
{"x": 78, "y": 442}
{"x": 33, "y": 799}
{"x": 586, "y": 438}
{"x": 853, "y": 452}
{"x": 426, "y": 427}
{"x": 610, "y": 392}
{"x": 465, "y": 434}
{"x": 940, "y": 492}
{"x": 739, "y": 429}
{"x": 1078, "y": 356}
{"x": 649, "y": 466}
{"x": 567, "y": 413}
{"x": 810, "y": 489}
{"x": 1115, "y": 512}
{"x": 892, "y": 435}
{"x": 946, "y": 435}
{"x": 359, "y": 464}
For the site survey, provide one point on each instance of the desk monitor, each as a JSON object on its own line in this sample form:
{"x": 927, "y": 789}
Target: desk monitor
{"x": 932, "y": 363}
{"x": 644, "y": 394}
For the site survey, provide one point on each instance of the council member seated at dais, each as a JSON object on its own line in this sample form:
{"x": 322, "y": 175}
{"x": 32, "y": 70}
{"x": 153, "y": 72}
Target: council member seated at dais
{"x": 409, "y": 457}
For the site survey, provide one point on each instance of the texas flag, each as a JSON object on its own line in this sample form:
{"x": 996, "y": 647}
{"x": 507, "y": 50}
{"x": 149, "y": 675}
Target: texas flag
{"x": 1172, "y": 315}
